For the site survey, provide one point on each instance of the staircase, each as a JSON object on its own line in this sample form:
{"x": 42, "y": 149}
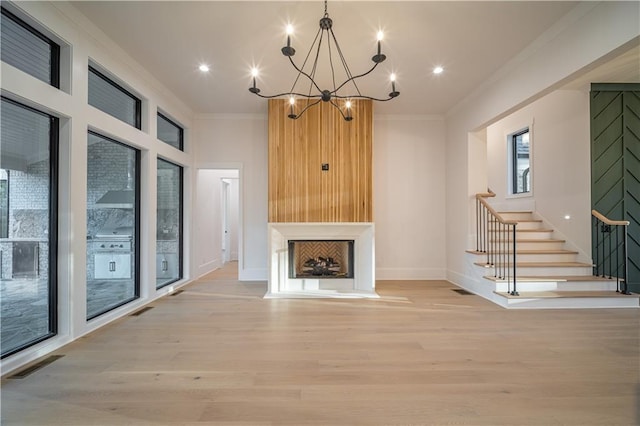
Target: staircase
{"x": 548, "y": 275}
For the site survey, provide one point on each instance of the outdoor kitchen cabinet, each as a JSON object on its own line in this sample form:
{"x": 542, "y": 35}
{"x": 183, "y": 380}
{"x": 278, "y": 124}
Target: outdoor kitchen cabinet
{"x": 112, "y": 266}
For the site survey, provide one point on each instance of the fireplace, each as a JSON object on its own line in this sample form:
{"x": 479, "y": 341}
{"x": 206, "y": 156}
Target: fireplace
{"x": 321, "y": 258}
{"x": 328, "y": 259}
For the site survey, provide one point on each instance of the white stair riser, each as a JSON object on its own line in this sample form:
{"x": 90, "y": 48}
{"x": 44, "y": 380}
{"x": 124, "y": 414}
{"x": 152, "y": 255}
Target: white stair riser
{"x": 558, "y": 286}
{"x": 521, "y": 225}
{"x": 529, "y": 235}
{"x": 572, "y": 302}
{"x": 536, "y": 235}
{"x": 553, "y": 271}
{"x": 516, "y": 215}
{"x": 546, "y": 245}
{"x": 546, "y": 257}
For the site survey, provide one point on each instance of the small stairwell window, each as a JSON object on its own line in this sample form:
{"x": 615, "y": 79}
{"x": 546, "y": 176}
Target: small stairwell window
{"x": 519, "y": 154}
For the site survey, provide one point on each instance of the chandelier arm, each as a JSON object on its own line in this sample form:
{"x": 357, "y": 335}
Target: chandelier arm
{"x": 336, "y": 106}
{"x": 304, "y": 63}
{"x": 307, "y": 107}
{"x": 345, "y": 65}
{"x": 353, "y": 78}
{"x": 288, "y": 94}
{"x": 305, "y": 74}
{"x": 352, "y": 97}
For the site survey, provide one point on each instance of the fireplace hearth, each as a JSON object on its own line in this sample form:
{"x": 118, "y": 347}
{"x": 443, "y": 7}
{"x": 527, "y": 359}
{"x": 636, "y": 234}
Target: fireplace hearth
{"x": 321, "y": 258}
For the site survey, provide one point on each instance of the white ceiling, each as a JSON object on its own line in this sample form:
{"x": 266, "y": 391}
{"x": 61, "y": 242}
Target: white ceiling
{"x": 471, "y": 40}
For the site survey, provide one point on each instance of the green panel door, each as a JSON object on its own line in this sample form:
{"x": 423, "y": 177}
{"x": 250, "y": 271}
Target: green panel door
{"x": 615, "y": 165}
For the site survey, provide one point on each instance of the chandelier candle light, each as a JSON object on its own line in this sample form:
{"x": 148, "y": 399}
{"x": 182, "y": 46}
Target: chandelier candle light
{"x": 315, "y": 94}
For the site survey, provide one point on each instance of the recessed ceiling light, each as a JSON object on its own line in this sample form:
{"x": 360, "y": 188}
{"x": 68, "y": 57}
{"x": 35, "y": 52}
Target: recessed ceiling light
{"x": 438, "y": 70}
{"x": 204, "y": 67}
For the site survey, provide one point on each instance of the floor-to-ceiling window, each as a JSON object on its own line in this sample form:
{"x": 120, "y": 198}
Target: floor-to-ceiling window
{"x": 113, "y": 223}
{"x": 28, "y": 183}
{"x": 169, "y": 224}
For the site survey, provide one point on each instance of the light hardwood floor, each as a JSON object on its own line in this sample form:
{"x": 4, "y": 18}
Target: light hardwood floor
{"x": 421, "y": 355}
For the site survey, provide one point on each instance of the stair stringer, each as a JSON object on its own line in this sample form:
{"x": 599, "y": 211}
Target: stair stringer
{"x": 473, "y": 281}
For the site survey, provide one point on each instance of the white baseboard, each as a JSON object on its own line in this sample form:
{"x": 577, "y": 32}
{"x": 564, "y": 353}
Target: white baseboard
{"x": 207, "y": 267}
{"x": 410, "y": 274}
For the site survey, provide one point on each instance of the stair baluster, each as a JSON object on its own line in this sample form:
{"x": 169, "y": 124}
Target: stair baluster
{"x": 496, "y": 237}
{"x": 606, "y": 226}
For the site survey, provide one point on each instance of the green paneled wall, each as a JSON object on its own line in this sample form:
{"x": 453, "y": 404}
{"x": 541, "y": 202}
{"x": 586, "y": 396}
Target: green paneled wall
{"x": 615, "y": 163}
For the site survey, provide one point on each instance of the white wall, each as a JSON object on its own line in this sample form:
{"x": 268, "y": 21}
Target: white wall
{"x": 589, "y": 35}
{"x": 81, "y": 42}
{"x": 409, "y": 198}
{"x": 240, "y": 142}
{"x": 408, "y": 171}
{"x": 560, "y": 163}
{"x": 234, "y": 216}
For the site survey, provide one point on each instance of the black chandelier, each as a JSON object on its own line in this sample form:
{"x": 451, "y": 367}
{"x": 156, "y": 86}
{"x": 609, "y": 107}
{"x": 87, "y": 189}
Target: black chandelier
{"x": 315, "y": 94}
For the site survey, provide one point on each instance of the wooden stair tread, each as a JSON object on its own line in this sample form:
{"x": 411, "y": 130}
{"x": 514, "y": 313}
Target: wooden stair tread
{"x": 565, "y": 294}
{"x": 542, "y": 251}
{"x": 552, "y": 264}
{"x": 544, "y": 264}
{"x": 534, "y": 230}
{"x": 520, "y": 220}
{"x": 517, "y": 212}
{"x": 542, "y": 240}
{"x": 551, "y": 251}
{"x": 555, "y": 278}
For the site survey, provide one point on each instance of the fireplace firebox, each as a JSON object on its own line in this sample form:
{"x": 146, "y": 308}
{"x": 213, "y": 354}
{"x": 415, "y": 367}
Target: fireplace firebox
{"x": 321, "y": 259}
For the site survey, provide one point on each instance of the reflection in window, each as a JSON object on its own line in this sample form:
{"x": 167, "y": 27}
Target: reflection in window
{"x": 113, "y": 221}
{"x": 108, "y": 96}
{"x": 169, "y": 224}
{"x": 520, "y": 162}
{"x": 169, "y": 132}
{"x": 29, "y": 50}
{"x": 27, "y": 245}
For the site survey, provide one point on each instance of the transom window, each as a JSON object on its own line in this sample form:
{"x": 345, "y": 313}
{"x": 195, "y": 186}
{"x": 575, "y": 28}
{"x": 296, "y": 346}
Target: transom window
{"x": 25, "y": 48}
{"x": 110, "y": 97}
{"x": 170, "y": 132}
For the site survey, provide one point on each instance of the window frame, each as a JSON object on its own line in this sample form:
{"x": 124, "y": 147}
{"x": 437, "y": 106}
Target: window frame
{"x": 173, "y": 122}
{"x": 180, "y": 224}
{"x": 54, "y": 48}
{"x": 137, "y": 246}
{"x": 4, "y": 233}
{"x": 54, "y": 142}
{"x": 138, "y": 102}
{"x": 512, "y": 160}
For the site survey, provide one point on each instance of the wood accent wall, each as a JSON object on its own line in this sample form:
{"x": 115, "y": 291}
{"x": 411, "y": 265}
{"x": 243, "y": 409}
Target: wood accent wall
{"x": 299, "y": 190}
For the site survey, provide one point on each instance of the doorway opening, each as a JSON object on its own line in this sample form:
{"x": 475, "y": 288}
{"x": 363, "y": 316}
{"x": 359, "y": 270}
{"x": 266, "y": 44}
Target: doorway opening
{"x": 218, "y": 230}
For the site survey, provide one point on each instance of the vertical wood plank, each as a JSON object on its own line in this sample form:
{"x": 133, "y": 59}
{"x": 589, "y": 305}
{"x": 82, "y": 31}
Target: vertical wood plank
{"x": 299, "y": 191}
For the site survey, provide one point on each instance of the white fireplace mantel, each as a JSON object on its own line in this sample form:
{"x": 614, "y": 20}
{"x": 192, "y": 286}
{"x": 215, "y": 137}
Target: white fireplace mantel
{"x": 282, "y": 286}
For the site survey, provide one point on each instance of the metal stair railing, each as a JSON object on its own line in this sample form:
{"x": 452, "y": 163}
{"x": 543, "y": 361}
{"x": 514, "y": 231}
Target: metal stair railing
{"x": 605, "y": 255}
{"x": 496, "y": 237}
